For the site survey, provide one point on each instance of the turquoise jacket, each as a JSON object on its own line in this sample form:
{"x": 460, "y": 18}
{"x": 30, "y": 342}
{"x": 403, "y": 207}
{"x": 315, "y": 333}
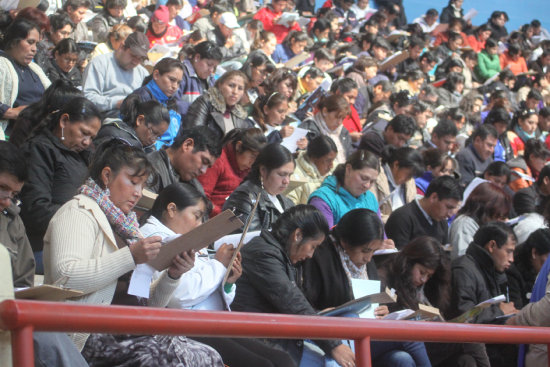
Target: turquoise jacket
{"x": 341, "y": 201}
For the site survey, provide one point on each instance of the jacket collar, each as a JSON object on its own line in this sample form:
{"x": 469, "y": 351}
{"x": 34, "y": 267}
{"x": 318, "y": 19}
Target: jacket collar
{"x": 309, "y": 168}
{"x": 90, "y": 205}
{"x": 483, "y": 258}
{"x": 216, "y": 98}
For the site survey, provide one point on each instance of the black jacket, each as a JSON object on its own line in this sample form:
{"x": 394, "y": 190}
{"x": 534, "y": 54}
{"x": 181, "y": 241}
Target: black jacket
{"x": 529, "y": 200}
{"x": 474, "y": 280}
{"x": 208, "y": 110}
{"x": 315, "y": 131}
{"x": 242, "y": 200}
{"x": 165, "y": 173}
{"x": 52, "y": 70}
{"x": 114, "y": 128}
{"x": 325, "y": 282}
{"x": 55, "y": 174}
{"x": 270, "y": 284}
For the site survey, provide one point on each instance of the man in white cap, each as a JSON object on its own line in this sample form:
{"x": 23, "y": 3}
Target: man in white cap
{"x": 222, "y": 35}
{"x": 109, "y": 78}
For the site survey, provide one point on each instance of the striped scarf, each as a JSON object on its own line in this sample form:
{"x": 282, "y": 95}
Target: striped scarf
{"x": 126, "y": 226}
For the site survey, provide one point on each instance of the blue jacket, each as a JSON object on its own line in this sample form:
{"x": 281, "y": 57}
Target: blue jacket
{"x": 341, "y": 201}
{"x": 423, "y": 181}
{"x": 191, "y": 88}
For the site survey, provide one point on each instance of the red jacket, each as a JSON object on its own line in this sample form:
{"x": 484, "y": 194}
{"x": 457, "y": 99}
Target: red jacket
{"x": 266, "y": 16}
{"x": 222, "y": 178}
{"x": 352, "y": 122}
{"x": 172, "y": 36}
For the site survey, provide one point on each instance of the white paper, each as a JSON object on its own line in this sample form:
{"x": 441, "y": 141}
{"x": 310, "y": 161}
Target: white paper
{"x": 492, "y": 301}
{"x": 288, "y": 18}
{"x": 385, "y": 251}
{"x": 233, "y": 239}
{"x": 399, "y": 315}
{"x": 470, "y": 15}
{"x": 140, "y": 283}
{"x": 291, "y": 142}
{"x": 362, "y": 288}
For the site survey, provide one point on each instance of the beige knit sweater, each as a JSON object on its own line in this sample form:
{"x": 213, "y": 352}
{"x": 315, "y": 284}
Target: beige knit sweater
{"x": 80, "y": 252}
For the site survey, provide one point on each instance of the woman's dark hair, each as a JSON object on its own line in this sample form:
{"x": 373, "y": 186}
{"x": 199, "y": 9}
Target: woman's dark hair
{"x": 271, "y": 157}
{"x": 323, "y": 54}
{"x": 498, "y": 115}
{"x": 155, "y": 113}
{"x": 401, "y": 98}
{"x": 453, "y": 79}
{"x": 320, "y": 146}
{"x": 522, "y": 114}
{"x": 271, "y": 101}
{"x": 254, "y": 60}
{"x": 137, "y": 24}
{"x": 498, "y": 169}
{"x": 538, "y": 241}
{"x": 320, "y": 25}
{"x": 174, "y": 2}
{"x": 207, "y": 50}
{"x": 415, "y": 75}
{"x": 308, "y": 218}
{"x": 75, "y": 4}
{"x": 111, "y": 4}
{"x": 357, "y": 160}
{"x": 535, "y": 148}
{"x": 116, "y": 154}
{"x": 231, "y": 74}
{"x": 66, "y": 46}
{"x": 60, "y": 20}
{"x": 343, "y": 85}
{"x": 313, "y": 72}
{"x": 79, "y": 109}
{"x": 181, "y": 194}
{"x": 18, "y": 31}
{"x": 490, "y": 43}
{"x": 487, "y": 202}
{"x": 12, "y": 161}
{"x": 55, "y": 97}
{"x": 296, "y": 36}
{"x": 405, "y": 157}
{"x": 252, "y": 139}
{"x": 347, "y": 228}
{"x": 432, "y": 158}
{"x": 497, "y": 231}
{"x": 164, "y": 66}
{"x": 334, "y": 103}
{"x": 279, "y": 76}
{"x": 427, "y": 252}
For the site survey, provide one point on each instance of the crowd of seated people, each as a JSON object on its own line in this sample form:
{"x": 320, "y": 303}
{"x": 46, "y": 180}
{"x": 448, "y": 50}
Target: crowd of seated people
{"x": 300, "y": 121}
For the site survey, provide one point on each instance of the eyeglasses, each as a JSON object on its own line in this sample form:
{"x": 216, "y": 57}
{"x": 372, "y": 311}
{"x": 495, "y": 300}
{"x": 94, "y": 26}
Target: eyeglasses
{"x": 154, "y": 133}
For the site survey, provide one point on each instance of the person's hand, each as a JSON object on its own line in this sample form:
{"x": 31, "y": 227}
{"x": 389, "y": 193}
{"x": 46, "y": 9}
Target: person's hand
{"x": 236, "y": 270}
{"x": 13, "y": 112}
{"x": 286, "y": 131}
{"x": 381, "y": 311}
{"x": 343, "y": 355}
{"x": 181, "y": 263}
{"x": 355, "y": 136}
{"x": 229, "y": 42}
{"x": 507, "y": 308}
{"x": 388, "y": 244}
{"x": 302, "y": 143}
{"x": 224, "y": 254}
{"x": 145, "y": 249}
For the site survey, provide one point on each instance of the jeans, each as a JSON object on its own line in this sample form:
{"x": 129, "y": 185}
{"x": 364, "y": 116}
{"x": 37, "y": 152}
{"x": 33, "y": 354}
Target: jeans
{"x": 56, "y": 350}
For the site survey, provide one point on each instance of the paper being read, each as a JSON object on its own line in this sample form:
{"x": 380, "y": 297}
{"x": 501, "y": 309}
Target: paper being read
{"x": 291, "y": 142}
{"x": 233, "y": 239}
{"x": 362, "y": 288}
{"x": 140, "y": 282}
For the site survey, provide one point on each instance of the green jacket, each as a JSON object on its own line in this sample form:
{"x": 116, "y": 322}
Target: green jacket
{"x": 487, "y": 65}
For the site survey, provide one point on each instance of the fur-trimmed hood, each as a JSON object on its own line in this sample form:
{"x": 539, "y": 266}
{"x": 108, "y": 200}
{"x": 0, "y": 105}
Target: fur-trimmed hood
{"x": 218, "y": 103}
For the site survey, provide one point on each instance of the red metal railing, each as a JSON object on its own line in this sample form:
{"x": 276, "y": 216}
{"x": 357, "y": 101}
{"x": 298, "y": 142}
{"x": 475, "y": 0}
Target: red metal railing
{"x": 22, "y": 317}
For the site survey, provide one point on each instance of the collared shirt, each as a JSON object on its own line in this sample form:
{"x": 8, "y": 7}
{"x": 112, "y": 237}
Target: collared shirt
{"x": 426, "y": 215}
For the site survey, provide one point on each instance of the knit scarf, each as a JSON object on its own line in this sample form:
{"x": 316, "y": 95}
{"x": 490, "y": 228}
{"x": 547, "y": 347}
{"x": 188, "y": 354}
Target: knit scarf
{"x": 126, "y": 226}
{"x": 352, "y": 270}
{"x": 523, "y": 135}
{"x": 175, "y": 118}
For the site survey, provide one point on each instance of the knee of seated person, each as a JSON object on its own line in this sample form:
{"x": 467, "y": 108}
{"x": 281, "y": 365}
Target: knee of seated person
{"x": 400, "y": 358}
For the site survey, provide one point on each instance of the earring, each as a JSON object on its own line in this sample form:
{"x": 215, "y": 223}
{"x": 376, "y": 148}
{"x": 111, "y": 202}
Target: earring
{"x": 62, "y": 134}
{"x": 262, "y": 183}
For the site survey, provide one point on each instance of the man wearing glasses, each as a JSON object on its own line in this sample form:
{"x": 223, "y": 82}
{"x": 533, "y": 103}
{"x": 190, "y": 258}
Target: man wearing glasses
{"x": 109, "y": 78}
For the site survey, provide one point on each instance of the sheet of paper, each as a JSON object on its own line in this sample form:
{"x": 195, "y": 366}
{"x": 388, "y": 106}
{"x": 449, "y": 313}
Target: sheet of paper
{"x": 470, "y": 14}
{"x": 291, "y": 142}
{"x": 361, "y": 288}
{"x": 386, "y": 251}
{"x": 492, "y": 301}
{"x": 233, "y": 239}
{"x": 140, "y": 282}
{"x": 287, "y": 18}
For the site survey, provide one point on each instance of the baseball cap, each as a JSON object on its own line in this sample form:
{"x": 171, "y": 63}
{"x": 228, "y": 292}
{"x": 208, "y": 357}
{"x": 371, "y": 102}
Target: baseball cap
{"x": 229, "y": 20}
{"x": 162, "y": 14}
{"x": 138, "y": 43}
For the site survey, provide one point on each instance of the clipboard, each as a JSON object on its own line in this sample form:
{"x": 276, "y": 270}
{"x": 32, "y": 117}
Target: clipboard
{"x": 147, "y": 199}
{"x": 360, "y": 304}
{"x": 241, "y": 241}
{"x": 393, "y": 60}
{"x": 196, "y": 239}
{"x": 292, "y": 63}
{"x": 47, "y": 292}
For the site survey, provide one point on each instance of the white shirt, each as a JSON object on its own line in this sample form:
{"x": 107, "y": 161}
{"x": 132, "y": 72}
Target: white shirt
{"x": 200, "y": 287}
